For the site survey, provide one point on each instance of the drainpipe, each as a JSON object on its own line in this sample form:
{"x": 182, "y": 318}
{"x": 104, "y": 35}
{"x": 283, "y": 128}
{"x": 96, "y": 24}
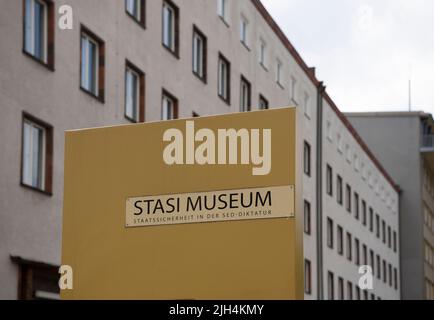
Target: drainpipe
{"x": 319, "y": 202}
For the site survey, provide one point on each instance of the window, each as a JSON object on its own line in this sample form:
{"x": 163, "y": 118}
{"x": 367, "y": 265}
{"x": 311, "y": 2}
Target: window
{"x": 395, "y": 277}
{"x": 364, "y": 212}
{"x": 384, "y": 272}
{"x": 389, "y": 237}
{"x": 245, "y": 95}
{"x": 349, "y": 291}
{"x": 224, "y": 79}
{"x": 39, "y": 27}
{"x": 365, "y": 254}
{"x": 383, "y": 229}
{"x": 136, "y": 9}
{"x": 394, "y": 242}
{"x": 329, "y": 180}
{"x": 339, "y": 190}
{"x": 330, "y": 233}
{"x": 390, "y": 275}
{"x": 263, "y": 53}
{"x": 307, "y": 277}
{"x": 307, "y": 218}
{"x": 341, "y": 294}
{"x": 222, "y": 9}
{"x": 356, "y": 206}
{"x": 340, "y": 240}
{"x": 306, "y": 106}
{"x": 38, "y": 281}
{"x": 349, "y": 247}
{"x": 134, "y": 93}
{"x": 169, "y": 106}
{"x": 279, "y": 67}
{"x": 92, "y": 64}
{"x": 306, "y": 158}
{"x": 371, "y": 220}
{"x": 171, "y": 27}
{"x": 348, "y": 196}
{"x": 244, "y": 31}
{"x": 357, "y": 251}
{"x": 378, "y": 267}
{"x": 372, "y": 261}
{"x": 263, "y": 103}
{"x": 37, "y": 154}
{"x": 294, "y": 90}
{"x": 199, "y": 54}
{"x": 377, "y": 225}
{"x": 330, "y": 285}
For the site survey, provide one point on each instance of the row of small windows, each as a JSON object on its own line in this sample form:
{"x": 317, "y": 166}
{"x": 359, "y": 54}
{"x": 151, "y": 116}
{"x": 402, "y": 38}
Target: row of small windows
{"x": 352, "y": 202}
{"x": 345, "y": 290}
{"x": 360, "y": 166}
{"x": 429, "y": 219}
{"x": 92, "y": 59}
{"x": 380, "y": 267}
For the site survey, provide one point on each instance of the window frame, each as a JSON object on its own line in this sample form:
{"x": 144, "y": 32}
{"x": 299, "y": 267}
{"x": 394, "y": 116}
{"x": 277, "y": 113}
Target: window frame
{"x": 307, "y": 158}
{"x": 227, "y": 79}
{"x": 329, "y": 180}
{"x": 308, "y": 217}
{"x": 47, "y": 172}
{"x": 204, "y": 54}
{"x": 141, "y": 20}
{"x": 263, "y": 103}
{"x": 141, "y": 86}
{"x": 244, "y": 83}
{"x": 339, "y": 190}
{"x": 175, "y": 104}
{"x": 48, "y": 59}
{"x": 99, "y": 65}
{"x": 307, "y": 276}
{"x": 176, "y": 28}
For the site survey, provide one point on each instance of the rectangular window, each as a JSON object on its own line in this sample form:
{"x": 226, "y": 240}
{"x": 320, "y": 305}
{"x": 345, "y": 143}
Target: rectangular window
{"x": 136, "y": 9}
{"x": 365, "y": 254}
{"x": 307, "y": 218}
{"x": 169, "y": 110}
{"x": 349, "y": 291}
{"x": 329, "y": 180}
{"x": 134, "y": 93}
{"x": 37, "y": 154}
{"x": 263, "y": 103}
{"x": 244, "y": 24}
{"x": 39, "y": 27}
{"x": 384, "y": 271}
{"x": 92, "y": 64}
{"x": 357, "y": 251}
{"x": 307, "y": 158}
{"x": 383, "y": 229}
{"x": 279, "y": 67}
{"x": 378, "y": 267}
{"x": 377, "y": 225}
{"x": 394, "y": 242}
{"x": 348, "y": 196}
{"x": 390, "y": 275}
{"x": 222, "y": 9}
{"x": 263, "y": 53}
{"x": 341, "y": 293}
{"x": 171, "y": 27}
{"x": 330, "y": 285}
{"x": 356, "y": 206}
{"x": 245, "y": 95}
{"x": 340, "y": 240}
{"x": 339, "y": 190}
{"x": 371, "y": 220}
{"x": 330, "y": 233}
{"x": 307, "y": 277}
{"x": 389, "y": 237}
{"x": 364, "y": 212}
{"x": 224, "y": 77}
{"x": 372, "y": 261}
{"x": 349, "y": 247}
{"x": 199, "y": 54}
{"x": 395, "y": 277}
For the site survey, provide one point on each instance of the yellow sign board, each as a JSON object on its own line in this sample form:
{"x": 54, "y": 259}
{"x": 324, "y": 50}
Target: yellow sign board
{"x": 204, "y": 208}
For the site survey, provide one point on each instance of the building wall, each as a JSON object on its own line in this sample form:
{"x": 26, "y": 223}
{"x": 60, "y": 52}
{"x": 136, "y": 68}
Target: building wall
{"x": 396, "y": 143}
{"x": 347, "y": 159}
{"x": 31, "y": 221}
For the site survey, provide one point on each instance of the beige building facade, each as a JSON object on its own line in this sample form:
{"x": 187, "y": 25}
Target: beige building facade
{"x": 131, "y": 61}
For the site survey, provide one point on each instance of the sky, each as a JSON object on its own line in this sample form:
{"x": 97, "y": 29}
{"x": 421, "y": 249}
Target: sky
{"x": 365, "y": 51}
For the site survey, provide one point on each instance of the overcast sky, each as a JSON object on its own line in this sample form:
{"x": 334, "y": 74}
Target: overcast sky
{"x": 365, "y": 50}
